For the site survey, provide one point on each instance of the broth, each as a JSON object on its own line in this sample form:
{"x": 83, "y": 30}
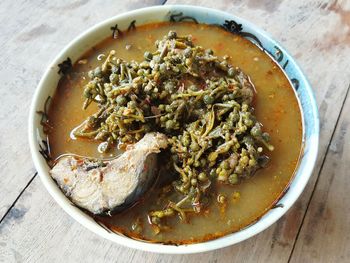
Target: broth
{"x": 276, "y": 107}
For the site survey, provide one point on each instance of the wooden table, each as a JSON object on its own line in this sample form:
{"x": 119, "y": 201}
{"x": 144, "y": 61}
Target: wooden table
{"x": 34, "y": 228}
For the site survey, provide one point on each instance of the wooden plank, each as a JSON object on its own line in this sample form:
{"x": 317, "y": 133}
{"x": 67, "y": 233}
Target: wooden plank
{"x": 31, "y": 36}
{"x": 325, "y": 234}
{"x": 36, "y": 229}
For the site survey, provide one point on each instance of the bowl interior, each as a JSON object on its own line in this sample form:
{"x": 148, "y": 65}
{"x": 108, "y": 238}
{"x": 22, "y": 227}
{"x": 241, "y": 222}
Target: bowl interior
{"x": 177, "y": 13}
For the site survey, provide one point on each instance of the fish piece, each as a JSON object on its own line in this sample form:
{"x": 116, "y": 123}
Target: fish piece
{"x": 111, "y": 186}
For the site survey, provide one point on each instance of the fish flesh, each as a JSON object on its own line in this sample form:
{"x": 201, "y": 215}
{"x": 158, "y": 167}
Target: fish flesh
{"x": 107, "y": 187}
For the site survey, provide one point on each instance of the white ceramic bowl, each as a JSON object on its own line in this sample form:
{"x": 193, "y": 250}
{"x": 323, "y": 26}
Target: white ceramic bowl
{"x": 176, "y": 13}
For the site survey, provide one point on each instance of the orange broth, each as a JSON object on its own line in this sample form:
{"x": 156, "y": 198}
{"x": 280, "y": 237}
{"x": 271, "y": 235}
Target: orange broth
{"x": 276, "y": 107}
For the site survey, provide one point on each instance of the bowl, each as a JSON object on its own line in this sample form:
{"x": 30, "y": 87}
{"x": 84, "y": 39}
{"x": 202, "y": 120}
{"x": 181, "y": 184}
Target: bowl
{"x": 176, "y": 13}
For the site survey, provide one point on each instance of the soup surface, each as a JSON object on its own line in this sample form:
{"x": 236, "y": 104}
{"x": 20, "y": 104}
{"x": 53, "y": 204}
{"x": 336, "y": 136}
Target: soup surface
{"x": 276, "y": 108}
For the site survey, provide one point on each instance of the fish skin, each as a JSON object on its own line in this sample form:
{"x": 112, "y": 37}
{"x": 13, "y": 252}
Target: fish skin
{"x": 117, "y": 184}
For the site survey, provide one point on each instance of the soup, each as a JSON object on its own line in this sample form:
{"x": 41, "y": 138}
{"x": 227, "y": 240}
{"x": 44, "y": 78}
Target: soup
{"x": 230, "y": 206}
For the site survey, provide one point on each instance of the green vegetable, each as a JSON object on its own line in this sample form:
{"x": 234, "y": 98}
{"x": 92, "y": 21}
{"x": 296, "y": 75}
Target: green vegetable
{"x": 201, "y": 102}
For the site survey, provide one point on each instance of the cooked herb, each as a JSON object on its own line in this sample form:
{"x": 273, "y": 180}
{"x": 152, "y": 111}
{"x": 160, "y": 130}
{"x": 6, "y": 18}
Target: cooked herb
{"x": 200, "y": 101}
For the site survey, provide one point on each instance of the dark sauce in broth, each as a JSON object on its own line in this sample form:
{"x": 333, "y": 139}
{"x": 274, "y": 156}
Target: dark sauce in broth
{"x": 276, "y": 107}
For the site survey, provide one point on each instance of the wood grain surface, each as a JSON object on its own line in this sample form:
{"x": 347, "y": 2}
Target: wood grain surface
{"x": 34, "y": 228}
